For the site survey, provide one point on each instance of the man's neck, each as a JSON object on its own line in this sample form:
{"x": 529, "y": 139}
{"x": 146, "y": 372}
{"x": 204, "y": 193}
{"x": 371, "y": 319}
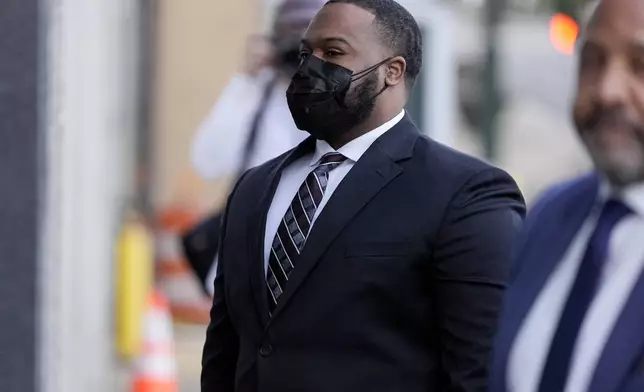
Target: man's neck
{"x": 373, "y": 122}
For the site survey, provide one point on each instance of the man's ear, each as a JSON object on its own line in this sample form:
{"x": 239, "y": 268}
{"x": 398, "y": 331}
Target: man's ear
{"x": 395, "y": 72}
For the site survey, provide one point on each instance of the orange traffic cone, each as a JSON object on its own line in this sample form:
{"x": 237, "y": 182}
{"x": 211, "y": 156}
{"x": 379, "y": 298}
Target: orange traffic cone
{"x": 156, "y": 368}
{"x": 174, "y": 276}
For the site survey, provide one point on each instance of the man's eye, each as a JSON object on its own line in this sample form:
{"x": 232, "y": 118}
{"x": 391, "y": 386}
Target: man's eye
{"x": 592, "y": 58}
{"x": 303, "y": 55}
{"x": 333, "y": 53}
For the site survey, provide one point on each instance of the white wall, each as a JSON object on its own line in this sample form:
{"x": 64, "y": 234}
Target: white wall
{"x": 89, "y": 120}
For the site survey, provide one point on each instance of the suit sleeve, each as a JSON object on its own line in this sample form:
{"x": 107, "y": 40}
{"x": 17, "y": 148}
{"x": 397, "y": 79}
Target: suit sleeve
{"x": 220, "y": 352}
{"x": 471, "y": 270}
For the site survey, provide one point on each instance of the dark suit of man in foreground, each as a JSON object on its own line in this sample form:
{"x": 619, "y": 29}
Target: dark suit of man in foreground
{"x": 370, "y": 258}
{"x": 574, "y": 315}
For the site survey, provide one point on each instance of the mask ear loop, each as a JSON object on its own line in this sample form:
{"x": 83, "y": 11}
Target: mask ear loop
{"x": 365, "y": 72}
{"x": 382, "y": 90}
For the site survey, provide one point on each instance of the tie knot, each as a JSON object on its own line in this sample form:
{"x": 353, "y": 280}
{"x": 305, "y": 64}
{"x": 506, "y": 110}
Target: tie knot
{"x": 329, "y": 162}
{"x": 332, "y": 157}
{"x": 614, "y": 210}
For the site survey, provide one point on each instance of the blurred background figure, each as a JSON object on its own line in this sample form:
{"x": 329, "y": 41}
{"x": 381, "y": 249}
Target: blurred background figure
{"x": 574, "y": 311}
{"x": 228, "y": 141}
{"x": 250, "y": 123}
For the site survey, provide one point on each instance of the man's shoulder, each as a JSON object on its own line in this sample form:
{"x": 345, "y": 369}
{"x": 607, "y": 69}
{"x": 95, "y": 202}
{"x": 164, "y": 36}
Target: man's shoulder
{"x": 450, "y": 164}
{"x": 560, "y": 201}
{"x": 565, "y": 203}
{"x": 254, "y": 181}
{"x": 569, "y": 190}
{"x": 269, "y": 165}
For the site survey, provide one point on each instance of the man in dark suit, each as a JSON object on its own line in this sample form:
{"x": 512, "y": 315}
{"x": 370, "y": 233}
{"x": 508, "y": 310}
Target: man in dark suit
{"x": 574, "y": 316}
{"x": 368, "y": 258}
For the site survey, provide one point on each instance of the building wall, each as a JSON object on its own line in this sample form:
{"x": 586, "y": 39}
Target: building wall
{"x": 200, "y": 44}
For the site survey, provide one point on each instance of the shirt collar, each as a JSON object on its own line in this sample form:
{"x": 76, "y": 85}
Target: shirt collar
{"x": 632, "y": 195}
{"x": 358, "y": 146}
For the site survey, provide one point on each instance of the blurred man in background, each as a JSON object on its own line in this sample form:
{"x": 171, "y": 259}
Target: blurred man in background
{"x": 250, "y": 123}
{"x": 368, "y": 258}
{"x": 218, "y": 146}
{"x": 574, "y": 317}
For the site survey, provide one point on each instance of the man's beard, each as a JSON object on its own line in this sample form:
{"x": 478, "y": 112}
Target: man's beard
{"x": 360, "y": 101}
{"x": 621, "y": 161}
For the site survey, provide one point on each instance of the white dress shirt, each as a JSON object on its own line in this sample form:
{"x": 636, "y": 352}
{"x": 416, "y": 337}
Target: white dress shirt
{"x": 219, "y": 142}
{"x": 621, "y": 272}
{"x": 294, "y": 175}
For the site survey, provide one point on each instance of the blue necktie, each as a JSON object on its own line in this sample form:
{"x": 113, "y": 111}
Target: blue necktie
{"x": 555, "y": 372}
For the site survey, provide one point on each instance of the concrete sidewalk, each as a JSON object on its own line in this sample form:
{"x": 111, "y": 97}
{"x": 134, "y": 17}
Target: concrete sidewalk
{"x": 189, "y": 339}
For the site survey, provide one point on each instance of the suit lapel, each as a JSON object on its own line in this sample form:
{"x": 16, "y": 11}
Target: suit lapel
{"x": 624, "y": 346}
{"x": 375, "y": 169}
{"x": 543, "y": 245}
{"x": 257, "y": 229}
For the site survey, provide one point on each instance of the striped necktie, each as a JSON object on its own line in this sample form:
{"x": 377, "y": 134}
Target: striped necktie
{"x": 295, "y": 226}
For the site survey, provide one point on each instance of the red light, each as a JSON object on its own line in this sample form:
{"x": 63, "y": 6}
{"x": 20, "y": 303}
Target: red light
{"x": 563, "y": 33}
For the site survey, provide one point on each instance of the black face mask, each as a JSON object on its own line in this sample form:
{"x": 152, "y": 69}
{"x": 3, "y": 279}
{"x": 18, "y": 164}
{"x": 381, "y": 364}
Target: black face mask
{"x": 317, "y": 97}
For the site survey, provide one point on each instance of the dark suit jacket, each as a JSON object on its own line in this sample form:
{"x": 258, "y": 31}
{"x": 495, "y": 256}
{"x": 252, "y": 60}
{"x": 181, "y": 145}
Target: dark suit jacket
{"x": 550, "y": 228}
{"x": 398, "y": 286}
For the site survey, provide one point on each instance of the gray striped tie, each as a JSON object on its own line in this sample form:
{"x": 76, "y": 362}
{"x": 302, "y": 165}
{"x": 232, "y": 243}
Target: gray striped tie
{"x": 295, "y": 225}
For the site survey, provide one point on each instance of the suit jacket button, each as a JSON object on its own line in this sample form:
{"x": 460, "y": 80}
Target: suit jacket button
{"x": 266, "y": 350}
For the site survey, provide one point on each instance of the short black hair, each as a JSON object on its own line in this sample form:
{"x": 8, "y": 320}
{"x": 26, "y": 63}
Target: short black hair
{"x": 397, "y": 29}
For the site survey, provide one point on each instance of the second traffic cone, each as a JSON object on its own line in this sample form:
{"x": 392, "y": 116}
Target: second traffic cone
{"x": 156, "y": 368}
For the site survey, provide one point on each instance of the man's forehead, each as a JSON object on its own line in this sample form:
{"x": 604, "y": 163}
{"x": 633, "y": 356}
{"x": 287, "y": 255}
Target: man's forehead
{"x": 342, "y": 20}
{"x": 617, "y": 20}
